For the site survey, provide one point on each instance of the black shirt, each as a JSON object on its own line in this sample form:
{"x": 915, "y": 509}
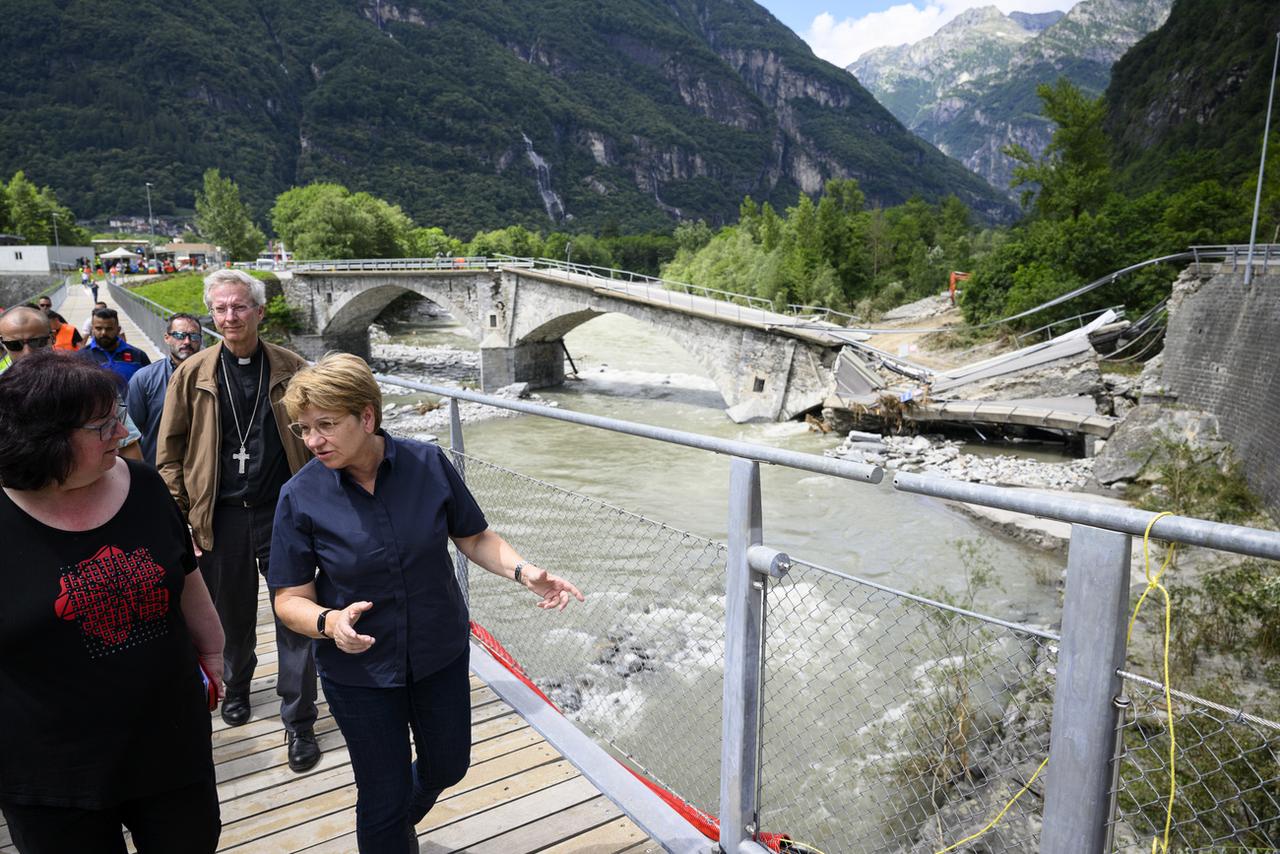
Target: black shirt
{"x": 267, "y": 468}
{"x": 100, "y": 696}
{"x": 390, "y": 548}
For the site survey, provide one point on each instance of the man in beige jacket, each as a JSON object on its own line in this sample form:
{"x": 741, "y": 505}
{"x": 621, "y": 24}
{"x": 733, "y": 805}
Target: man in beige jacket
{"x": 224, "y": 448}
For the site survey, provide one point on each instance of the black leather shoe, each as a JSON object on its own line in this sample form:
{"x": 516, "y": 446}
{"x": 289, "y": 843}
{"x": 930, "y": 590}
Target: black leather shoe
{"x": 304, "y": 753}
{"x": 235, "y": 709}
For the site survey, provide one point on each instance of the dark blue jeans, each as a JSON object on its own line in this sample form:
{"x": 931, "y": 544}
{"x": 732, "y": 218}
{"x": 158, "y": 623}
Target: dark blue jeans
{"x": 393, "y": 794}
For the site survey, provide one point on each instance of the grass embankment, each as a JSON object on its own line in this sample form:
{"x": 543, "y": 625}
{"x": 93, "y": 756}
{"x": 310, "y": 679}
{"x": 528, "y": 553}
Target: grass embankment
{"x": 184, "y": 291}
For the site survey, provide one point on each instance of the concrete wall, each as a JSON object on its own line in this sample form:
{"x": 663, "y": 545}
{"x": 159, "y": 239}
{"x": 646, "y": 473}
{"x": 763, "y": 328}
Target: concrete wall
{"x": 39, "y": 259}
{"x": 14, "y": 288}
{"x": 1222, "y": 354}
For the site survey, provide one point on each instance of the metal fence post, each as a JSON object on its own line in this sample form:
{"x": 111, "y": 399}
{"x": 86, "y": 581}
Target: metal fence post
{"x": 744, "y": 615}
{"x": 456, "y": 451}
{"x": 1082, "y": 741}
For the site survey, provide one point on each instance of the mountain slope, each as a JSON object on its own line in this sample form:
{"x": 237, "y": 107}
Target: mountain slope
{"x": 549, "y": 113}
{"x": 1188, "y": 102}
{"x": 982, "y": 70}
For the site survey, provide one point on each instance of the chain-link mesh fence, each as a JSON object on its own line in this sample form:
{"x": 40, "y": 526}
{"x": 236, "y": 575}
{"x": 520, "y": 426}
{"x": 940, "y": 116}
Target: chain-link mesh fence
{"x": 1227, "y": 768}
{"x": 641, "y": 663}
{"x": 894, "y": 723}
{"x": 889, "y": 721}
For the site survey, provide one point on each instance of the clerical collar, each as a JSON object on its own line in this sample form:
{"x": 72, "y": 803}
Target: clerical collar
{"x": 243, "y": 360}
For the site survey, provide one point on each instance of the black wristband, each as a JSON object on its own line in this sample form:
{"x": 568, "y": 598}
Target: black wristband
{"x": 321, "y": 620}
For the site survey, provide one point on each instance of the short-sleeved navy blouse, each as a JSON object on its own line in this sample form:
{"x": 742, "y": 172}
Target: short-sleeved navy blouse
{"x": 389, "y": 548}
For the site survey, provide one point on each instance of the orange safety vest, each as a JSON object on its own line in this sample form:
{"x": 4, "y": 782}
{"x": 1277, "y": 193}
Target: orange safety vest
{"x": 64, "y": 339}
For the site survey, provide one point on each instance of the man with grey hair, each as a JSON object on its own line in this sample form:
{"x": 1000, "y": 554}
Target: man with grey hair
{"x": 224, "y": 448}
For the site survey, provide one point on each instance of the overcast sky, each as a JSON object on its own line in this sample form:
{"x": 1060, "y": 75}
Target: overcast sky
{"x": 840, "y": 31}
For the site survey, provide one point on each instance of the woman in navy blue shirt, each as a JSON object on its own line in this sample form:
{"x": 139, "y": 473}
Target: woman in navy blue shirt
{"x": 359, "y": 557}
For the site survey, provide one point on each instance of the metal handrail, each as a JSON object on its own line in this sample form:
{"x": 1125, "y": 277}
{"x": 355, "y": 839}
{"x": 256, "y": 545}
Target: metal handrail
{"x": 1078, "y": 318}
{"x": 1174, "y": 529}
{"x": 746, "y": 450}
{"x": 602, "y": 276}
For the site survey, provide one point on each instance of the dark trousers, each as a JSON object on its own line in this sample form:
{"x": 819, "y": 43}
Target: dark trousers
{"x": 184, "y": 820}
{"x": 392, "y": 794}
{"x": 241, "y": 550}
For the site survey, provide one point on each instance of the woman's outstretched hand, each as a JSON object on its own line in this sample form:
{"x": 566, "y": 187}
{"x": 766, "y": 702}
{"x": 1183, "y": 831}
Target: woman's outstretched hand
{"x": 553, "y": 589}
{"x": 344, "y": 631}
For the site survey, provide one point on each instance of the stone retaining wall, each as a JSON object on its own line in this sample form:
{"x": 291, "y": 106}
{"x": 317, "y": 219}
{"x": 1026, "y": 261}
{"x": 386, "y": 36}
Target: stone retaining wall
{"x": 1222, "y": 354}
{"x": 19, "y": 287}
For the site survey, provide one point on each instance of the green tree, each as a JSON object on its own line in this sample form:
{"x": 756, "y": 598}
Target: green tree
{"x": 1073, "y": 175}
{"x": 222, "y": 218}
{"x": 430, "y": 242}
{"x": 327, "y": 221}
{"x": 26, "y": 212}
{"x": 692, "y": 235}
{"x": 515, "y": 240}
{"x": 32, "y": 212}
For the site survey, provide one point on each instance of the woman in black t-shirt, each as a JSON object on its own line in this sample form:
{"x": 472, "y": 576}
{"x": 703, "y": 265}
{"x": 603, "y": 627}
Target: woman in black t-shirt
{"x": 104, "y": 627}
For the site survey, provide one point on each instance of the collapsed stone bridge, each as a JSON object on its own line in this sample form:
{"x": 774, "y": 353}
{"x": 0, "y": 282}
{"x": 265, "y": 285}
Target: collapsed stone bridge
{"x": 520, "y": 315}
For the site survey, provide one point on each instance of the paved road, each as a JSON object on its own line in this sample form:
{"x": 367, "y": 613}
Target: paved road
{"x": 79, "y": 304}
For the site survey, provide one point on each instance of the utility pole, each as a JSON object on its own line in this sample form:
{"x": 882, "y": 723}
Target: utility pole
{"x": 1257, "y": 199}
{"x": 151, "y": 223}
{"x": 57, "y": 244}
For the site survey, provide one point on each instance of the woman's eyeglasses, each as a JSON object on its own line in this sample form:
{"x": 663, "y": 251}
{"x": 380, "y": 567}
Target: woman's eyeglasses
{"x": 323, "y": 427}
{"x": 107, "y": 428}
{"x": 13, "y": 345}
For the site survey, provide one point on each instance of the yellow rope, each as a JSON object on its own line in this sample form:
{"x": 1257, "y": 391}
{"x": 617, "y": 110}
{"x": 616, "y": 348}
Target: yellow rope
{"x": 1000, "y": 814}
{"x": 800, "y": 847}
{"x": 1153, "y": 583}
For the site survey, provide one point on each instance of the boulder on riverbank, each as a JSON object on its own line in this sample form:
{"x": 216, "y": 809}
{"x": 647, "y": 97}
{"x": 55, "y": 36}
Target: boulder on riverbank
{"x": 1141, "y": 438}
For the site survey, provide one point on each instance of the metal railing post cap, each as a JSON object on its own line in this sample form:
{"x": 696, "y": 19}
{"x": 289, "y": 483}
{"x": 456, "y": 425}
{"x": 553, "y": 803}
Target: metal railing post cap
{"x": 767, "y": 561}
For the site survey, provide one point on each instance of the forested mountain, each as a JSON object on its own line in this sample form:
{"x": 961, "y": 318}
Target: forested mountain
{"x": 576, "y": 114}
{"x": 1187, "y": 103}
{"x": 971, "y": 87}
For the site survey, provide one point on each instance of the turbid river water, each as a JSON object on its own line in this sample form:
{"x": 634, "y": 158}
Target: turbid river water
{"x": 652, "y": 686}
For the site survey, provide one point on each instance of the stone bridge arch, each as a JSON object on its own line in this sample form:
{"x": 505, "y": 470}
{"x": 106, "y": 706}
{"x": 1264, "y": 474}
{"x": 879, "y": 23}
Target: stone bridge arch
{"x": 761, "y": 373}
{"x": 339, "y": 307}
{"x": 554, "y": 329}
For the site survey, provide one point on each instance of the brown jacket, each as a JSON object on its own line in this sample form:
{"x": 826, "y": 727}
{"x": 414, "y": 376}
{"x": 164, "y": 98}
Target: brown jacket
{"x": 190, "y": 436}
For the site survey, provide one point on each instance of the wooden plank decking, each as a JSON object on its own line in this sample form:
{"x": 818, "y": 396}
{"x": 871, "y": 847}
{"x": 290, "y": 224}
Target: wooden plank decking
{"x": 519, "y": 796}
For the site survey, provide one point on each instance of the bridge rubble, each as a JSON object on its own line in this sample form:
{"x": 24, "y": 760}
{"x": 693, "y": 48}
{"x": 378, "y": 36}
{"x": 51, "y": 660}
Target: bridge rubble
{"x": 1050, "y": 385}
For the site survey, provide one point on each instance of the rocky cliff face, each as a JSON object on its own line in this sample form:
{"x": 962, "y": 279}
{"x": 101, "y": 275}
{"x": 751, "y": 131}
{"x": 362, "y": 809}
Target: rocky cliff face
{"x": 566, "y": 114}
{"x": 1188, "y": 102}
{"x": 970, "y": 88}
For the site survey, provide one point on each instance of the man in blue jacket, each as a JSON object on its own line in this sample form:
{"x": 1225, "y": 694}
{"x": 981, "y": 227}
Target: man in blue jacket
{"x": 147, "y": 387}
{"x": 108, "y": 350}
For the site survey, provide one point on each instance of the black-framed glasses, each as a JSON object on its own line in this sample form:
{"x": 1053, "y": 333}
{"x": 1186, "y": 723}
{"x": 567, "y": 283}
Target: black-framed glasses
{"x": 323, "y": 427}
{"x": 13, "y": 345}
{"x": 185, "y": 336}
{"x": 108, "y": 428}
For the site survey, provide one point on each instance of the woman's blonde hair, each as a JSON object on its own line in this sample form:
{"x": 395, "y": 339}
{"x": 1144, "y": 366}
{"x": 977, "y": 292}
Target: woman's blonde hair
{"x": 339, "y": 382}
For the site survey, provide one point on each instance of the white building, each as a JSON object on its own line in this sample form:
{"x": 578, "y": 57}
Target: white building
{"x": 41, "y": 260}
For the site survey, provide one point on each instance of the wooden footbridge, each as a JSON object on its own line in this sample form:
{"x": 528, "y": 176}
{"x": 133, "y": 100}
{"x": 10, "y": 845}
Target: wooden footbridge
{"x": 520, "y": 795}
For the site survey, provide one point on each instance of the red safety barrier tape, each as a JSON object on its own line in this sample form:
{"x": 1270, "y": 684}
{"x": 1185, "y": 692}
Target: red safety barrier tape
{"x": 705, "y": 823}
